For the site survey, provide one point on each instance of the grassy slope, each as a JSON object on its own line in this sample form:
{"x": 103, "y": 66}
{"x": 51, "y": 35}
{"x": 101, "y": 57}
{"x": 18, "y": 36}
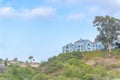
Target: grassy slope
{"x": 55, "y": 65}
{"x": 71, "y": 66}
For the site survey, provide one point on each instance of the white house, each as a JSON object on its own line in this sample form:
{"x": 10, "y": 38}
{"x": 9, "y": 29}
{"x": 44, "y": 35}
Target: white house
{"x": 82, "y": 45}
{"x": 68, "y": 48}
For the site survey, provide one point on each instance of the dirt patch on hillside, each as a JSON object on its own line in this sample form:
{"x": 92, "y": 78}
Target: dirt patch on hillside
{"x": 109, "y": 61}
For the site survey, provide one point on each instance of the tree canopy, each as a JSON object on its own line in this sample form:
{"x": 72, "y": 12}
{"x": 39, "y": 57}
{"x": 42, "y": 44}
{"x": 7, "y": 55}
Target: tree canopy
{"x": 109, "y": 28}
{"x": 30, "y": 58}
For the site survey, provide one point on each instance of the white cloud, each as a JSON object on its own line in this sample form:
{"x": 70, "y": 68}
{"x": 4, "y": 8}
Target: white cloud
{"x": 75, "y": 16}
{"x": 7, "y": 11}
{"x": 44, "y": 12}
{"x": 96, "y": 10}
{"x": 103, "y": 7}
{"x": 108, "y": 2}
{"x": 40, "y": 12}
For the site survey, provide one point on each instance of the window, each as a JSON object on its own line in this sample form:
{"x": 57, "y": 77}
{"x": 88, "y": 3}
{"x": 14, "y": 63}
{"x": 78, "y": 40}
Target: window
{"x": 88, "y": 46}
{"x": 99, "y": 46}
{"x": 81, "y": 47}
{"x": 67, "y": 47}
{"x": 96, "y": 47}
{"x": 93, "y": 47}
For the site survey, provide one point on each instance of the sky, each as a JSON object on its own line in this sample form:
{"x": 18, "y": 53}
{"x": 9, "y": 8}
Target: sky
{"x": 40, "y": 28}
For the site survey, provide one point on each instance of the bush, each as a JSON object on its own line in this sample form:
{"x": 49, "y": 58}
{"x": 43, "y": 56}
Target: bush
{"x": 41, "y": 77}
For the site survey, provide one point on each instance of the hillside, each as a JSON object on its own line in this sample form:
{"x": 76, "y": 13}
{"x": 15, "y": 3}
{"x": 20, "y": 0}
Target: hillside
{"x": 84, "y": 65}
{"x": 93, "y": 65}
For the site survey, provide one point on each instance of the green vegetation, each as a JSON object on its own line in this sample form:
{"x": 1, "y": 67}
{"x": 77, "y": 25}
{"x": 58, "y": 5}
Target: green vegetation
{"x": 108, "y": 28}
{"x": 69, "y": 66}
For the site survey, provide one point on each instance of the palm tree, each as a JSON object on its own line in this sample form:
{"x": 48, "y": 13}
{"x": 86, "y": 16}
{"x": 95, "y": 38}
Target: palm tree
{"x": 30, "y": 58}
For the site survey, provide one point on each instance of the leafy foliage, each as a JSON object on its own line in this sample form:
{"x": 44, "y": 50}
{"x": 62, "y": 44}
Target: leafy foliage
{"x": 19, "y": 73}
{"x": 109, "y": 28}
{"x": 41, "y": 77}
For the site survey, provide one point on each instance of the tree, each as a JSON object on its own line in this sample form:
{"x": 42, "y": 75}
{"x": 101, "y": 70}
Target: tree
{"x": 1, "y": 61}
{"x": 15, "y": 59}
{"x": 27, "y": 63}
{"x": 33, "y": 59}
{"x": 117, "y": 44}
{"x": 30, "y": 58}
{"x": 109, "y": 28}
{"x": 6, "y": 62}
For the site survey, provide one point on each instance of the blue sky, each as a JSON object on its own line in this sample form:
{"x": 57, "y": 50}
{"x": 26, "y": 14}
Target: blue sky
{"x": 40, "y": 28}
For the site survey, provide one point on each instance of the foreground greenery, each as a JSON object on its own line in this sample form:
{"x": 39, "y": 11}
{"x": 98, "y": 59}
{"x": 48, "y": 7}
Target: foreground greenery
{"x": 66, "y": 66}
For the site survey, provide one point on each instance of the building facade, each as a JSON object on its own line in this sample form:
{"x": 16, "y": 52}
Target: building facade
{"x": 82, "y": 45}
